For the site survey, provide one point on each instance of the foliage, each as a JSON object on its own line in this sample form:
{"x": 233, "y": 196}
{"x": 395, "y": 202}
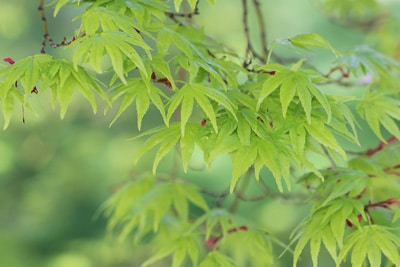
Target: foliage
{"x": 269, "y": 113}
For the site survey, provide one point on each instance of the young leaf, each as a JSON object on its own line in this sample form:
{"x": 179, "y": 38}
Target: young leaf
{"x": 369, "y": 241}
{"x": 137, "y": 90}
{"x": 312, "y": 40}
{"x": 293, "y": 82}
{"x": 117, "y": 45}
{"x": 380, "y": 109}
{"x": 367, "y": 60}
{"x": 7, "y": 105}
{"x": 322, "y": 135}
{"x": 242, "y": 160}
{"x": 203, "y": 96}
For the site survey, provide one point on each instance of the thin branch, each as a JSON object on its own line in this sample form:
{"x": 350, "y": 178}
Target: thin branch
{"x": 381, "y": 145}
{"x": 326, "y": 152}
{"x": 250, "y": 51}
{"x": 246, "y": 32}
{"x": 188, "y": 15}
{"x": 261, "y": 24}
{"x": 242, "y": 188}
{"x": 221, "y": 196}
{"x": 46, "y": 34}
{"x": 298, "y": 198}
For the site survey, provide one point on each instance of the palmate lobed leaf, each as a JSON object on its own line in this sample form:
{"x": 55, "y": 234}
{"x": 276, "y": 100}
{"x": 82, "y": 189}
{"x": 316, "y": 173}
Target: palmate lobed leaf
{"x": 341, "y": 182}
{"x": 136, "y": 90}
{"x": 326, "y": 225}
{"x": 380, "y": 109}
{"x": 318, "y": 131}
{"x": 167, "y": 137}
{"x": 101, "y": 19}
{"x": 312, "y": 233}
{"x": 194, "y": 57}
{"x": 363, "y": 60}
{"x": 262, "y": 152}
{"x": 151, "y": 205}
{"x": 57, "y": 74}
{"x": 258, "y": 250}
{"x": 249, "y": 141}
{"x": 368, "y": 242}
{"x": 27, "y": 71}
{"x": 7, "y": 101}
{"x": 119, "y": 205}
{"x": 292, "y": 82}
{"x": 242, "y": 160}
{"x": 117, "y": 45}
{"x": 63, "y": 78}
{"x": 179, "y": 248}
{"x": 188, "y": 94}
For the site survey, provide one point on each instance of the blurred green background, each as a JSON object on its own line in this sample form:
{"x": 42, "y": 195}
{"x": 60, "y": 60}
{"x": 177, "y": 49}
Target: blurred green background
{"x": 54, "y": 174}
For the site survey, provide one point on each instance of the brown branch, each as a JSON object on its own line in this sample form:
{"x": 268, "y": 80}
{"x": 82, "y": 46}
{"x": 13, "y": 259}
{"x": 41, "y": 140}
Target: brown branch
{"x": 261, "y": 24}
{"x": 381, "y": 145}
{"x": 250, "y": 50}
{"x": 386, "y": 204}
{"x": 46, "y": 35}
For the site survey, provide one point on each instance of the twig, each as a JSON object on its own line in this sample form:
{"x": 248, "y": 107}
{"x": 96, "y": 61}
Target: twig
{"x": 326, "y": 152}
{"x": 261, "y": 24}
{"x": 298, "y": 198}
{"x": 221, "y": 196}
{"x": 46, "y": 35}
{"x": 250, "y": 52}
{"x": 189, "y": 15}
{"x": 381, "y": 145}
{"x": 242, "y": 188}
{"x": 259, "y": 197}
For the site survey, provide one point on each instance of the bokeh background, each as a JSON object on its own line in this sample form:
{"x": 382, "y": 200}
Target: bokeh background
{"x": 55, "y": 174}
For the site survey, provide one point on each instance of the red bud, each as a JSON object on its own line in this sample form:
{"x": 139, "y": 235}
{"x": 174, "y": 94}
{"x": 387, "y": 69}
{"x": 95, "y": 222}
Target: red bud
{"x": 9, "y": 60}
